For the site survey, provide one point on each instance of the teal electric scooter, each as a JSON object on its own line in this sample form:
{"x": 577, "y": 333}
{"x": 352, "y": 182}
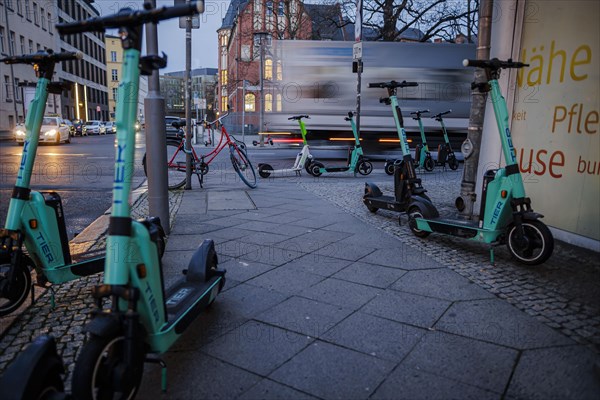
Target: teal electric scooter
{"x": 135, "y": 314}
{"x": 423, "y": 158}
{"x": 35, "y": 219}
{"x": 356, "y": 161}
{"x": 407, "y": 186}
{"x": 505, "y": 216}
{"x": 302, "y": 161}
{"x": 445, "y": 153}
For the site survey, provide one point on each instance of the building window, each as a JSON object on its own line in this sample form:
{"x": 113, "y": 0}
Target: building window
{"x": 23, "y": 49}
{"x": 280, "y": 7}
{"x": 224, "y": 77}
{"x": 269, "y": 69}
{"x": 269, "y": 6}
{"x": 31, "y": 47}
{"x": 113, "y": 56}
{"x": 224, "y": 105}
{"x": 7, "y": 87}
{"x": 2, "y": 49}
{"x": 278, "y": 101}
{"x": 17, "y": 90}
{"x": 114, "y": 75}
{"x": 50, "y": 23}
{"x": 279, "y": 71}
{"x": 12, "y": 45}
{"x": 36, "y": 14}
{"x": 114, "y": 93}
{"x": 268, "y": 102}
{"x": 43, "y": 18}
{"x": 249, "y": 102}
{"x": 27, "y": 10}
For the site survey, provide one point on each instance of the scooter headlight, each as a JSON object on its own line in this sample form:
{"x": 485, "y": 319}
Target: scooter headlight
{"x": 467, "y": 148}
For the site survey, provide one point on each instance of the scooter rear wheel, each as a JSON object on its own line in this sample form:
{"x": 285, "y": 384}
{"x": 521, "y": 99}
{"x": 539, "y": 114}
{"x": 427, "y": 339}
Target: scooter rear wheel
{"x": 264, "y": 170}
{"x": 429, "y": 164}
{"x": 453, "y": 163}
{"x": 95, "y": 374}
{"x": 315, "y": 168}
{"x": 12, "y": 298}
{"x": 415, "y": 212}
{"x": 365, "y": 167}
{"x": 389, "y": 168}
{"x": 536, "y": 246}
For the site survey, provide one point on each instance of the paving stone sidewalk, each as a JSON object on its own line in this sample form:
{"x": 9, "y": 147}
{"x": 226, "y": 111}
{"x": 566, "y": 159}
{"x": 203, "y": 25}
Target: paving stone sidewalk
{"x": 324, "y": 300}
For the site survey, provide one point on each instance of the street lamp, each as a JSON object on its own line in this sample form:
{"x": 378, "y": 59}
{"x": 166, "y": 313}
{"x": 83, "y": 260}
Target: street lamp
{"x": 261, "y": 37}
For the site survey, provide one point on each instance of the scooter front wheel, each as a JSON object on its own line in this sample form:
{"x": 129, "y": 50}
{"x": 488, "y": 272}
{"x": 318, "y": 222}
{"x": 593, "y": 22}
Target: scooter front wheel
{"x": 453, "y": 163}
{"x": 428, "y": 164}
{"x": 413, "y": 213}
{"x": 101, "y": 372}
{"x": 534, "y": 247}
{"x": 315, "y": 168}
{"x": 264, "y": 170}
{"x": 365, "y": 167}
{"x": 389, "y": 168}
{"x": 12, "y": 296}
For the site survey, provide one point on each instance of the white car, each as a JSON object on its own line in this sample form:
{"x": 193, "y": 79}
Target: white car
{"x": 93, "y": 128}
{"x": 53, "y": 130}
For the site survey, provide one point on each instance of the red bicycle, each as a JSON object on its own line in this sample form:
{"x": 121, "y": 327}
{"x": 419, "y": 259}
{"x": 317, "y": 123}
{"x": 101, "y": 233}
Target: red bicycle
{"x": 176, "y": 159}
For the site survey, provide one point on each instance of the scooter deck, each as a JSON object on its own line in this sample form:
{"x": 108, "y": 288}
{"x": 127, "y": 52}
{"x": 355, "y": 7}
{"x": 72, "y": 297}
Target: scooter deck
{"x": 185, "y": 300}
{"x": 385, "y": 203}
{"x": 336, "y": 169}
{"x": 460, "y": 228}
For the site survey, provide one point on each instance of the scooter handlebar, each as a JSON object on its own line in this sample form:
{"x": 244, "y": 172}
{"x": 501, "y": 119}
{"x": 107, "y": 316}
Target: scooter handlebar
{"x": 43, "y": 56}
{"x": 129, "y": 17}
{"x": 439, "y": 115}
{"x": 392, "y": 84}
{"x": 298, "y": 117}
{"x": 494, "y": 63}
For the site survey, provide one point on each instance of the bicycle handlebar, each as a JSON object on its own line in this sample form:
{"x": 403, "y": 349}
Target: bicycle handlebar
{"x": 392, "y": 84}
{"x": 439, "y": 115}
{"x": 129, "y": 17}
{"x": 298, "y": 117}
{"x": 216, "y": 120}
{"x": 494, "y": 64}
{"x": 43, "y": 56}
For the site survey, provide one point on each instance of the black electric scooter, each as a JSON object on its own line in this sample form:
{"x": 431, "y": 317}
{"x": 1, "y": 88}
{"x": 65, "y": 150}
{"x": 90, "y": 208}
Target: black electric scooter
{"x": 407, "y": 187}
{"x": 445, "y": 152}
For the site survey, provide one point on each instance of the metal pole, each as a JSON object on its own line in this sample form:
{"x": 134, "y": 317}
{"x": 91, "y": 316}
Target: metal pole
{"x": 473, "y": 142}
{"x": 359, "y": 65}
{"x": 243, "y": 109}
{"x": 156, "y": 151}
{"x": 188, "y": 96}
{"x": 262, "y": 90}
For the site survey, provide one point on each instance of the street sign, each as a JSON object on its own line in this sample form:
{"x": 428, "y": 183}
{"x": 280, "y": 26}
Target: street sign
{"x": 357, "y": 49}
{"x": 182, "y": 20}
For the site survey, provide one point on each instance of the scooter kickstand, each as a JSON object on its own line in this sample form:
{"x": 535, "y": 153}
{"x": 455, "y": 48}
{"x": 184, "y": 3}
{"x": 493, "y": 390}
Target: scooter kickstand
{"x": 492, "y": 261}
{"x": 163, "y": 371}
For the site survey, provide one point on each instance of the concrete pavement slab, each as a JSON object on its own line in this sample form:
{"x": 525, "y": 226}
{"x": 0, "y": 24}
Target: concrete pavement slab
{"x": 286, "y": 280}
{"x": 401, "y": 256}
{"x": 305, "y": 316}
{"x": 267, "y": 389}
{"x": 378, "y": 337}
{"x": 345, "y": 252}
{"x": 413, "y": 384}
{"x": 441, "y": 283}
{"x": 407, "y": 308}
{"x": 558, "y": 373}
{"x": 341, "y": 293}
{"x": 369, "y": 274}
{"x": 249, "y": 301}
{"x": 270, "y": 254}
{"x": 470, "y": 361}
{"x": 316, "y": 263}
{"x": 257, "y": 347}
{"x": 495, "y": 321}
{"x": 229, "y": 200}
{"x": 332, "y": 372}
{"x": 243, "y": 271}
{"x": 193, "y": 375}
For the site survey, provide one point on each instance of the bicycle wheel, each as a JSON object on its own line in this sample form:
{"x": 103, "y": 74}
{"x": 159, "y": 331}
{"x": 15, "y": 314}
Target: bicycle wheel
{"x": 242, "y": 165}
{"x": 175, "y": 165}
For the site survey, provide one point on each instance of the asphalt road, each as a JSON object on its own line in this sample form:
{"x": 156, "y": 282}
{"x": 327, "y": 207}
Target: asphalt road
{"x": 80, "y": 172}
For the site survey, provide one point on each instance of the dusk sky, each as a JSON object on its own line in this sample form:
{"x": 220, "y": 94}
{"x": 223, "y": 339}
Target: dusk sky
{"x": 171, "y": 39}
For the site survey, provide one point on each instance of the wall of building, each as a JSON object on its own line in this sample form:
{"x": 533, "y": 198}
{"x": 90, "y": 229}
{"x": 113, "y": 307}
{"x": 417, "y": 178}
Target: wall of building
{"x": 554, "y": 105}
{"x": 26, "y": 26}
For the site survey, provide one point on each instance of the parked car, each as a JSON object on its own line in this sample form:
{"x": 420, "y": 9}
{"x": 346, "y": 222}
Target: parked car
{"x": 111, "y": 127}
{"x": 93, "y": 128}
{"x": 172, "y": 132}
{"x": 53, "y": 130}
{"x": 78, "y": 124}
{"x": 71, "y": 127}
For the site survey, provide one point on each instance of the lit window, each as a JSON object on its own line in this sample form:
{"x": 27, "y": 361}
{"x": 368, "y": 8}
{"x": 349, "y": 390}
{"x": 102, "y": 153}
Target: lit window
{"x": 268, "y": 69}
{"x": 279, "y": 71}
{"x": 268, "y": 102}
{"x": 278, "y": 105}
{"x": 224, "y": 77}
{"x": 224, "y": 104}
{"x": 249, "y": 101}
